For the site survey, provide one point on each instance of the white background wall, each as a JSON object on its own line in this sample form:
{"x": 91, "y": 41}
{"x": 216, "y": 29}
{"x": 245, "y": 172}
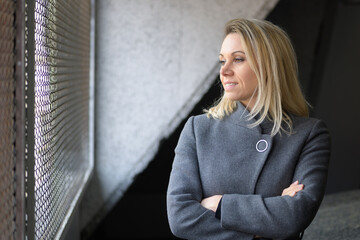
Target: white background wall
{"x": 154, "y": 61}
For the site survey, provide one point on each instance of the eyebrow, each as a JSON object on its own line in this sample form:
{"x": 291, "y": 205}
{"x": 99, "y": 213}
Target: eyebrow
{"x": 234, "y": 53}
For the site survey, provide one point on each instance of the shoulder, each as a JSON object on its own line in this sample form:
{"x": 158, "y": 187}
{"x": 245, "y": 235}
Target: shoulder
{"x": 307, "y": 123}
{"x": 202, "y": 122}
{"x": 199, "y": 120}
{"x": 195, "y": 127}
{"x": 194, "y": 122}
{"x": 200, "y": 125}
{"x": 310, "y": 127}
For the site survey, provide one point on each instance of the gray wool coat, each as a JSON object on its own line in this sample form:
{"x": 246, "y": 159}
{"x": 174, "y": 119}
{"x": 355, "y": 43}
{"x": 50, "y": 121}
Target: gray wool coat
{"x": 250, "y": 169}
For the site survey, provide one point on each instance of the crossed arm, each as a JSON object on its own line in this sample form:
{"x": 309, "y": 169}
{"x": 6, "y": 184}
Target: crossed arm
{"x": 212, "y": 202}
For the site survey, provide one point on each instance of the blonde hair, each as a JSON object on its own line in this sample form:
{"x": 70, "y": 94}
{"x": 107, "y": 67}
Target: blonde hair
{"x": 271, "y": 56}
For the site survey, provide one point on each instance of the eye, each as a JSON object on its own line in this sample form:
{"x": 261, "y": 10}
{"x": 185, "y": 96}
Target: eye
{"x": 238, "y": 60}
{"x": 222, "y": 62}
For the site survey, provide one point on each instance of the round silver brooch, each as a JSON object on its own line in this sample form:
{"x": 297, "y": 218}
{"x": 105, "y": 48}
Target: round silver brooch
{"x": 262, "y": 145}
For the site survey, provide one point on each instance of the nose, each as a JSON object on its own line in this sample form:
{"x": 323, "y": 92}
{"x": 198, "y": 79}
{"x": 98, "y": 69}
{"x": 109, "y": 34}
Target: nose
{"x": 226, "y": 70}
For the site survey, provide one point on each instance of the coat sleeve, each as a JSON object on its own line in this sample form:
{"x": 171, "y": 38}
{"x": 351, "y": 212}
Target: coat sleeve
{"x": 187, "y": 218}
{"x": 284, "y": 216}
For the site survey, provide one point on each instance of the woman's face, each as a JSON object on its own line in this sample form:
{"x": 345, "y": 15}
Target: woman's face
{"x": 238, "y": 79}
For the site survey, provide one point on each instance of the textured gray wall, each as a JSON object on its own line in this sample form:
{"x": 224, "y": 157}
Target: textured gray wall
{"x": 154, "y": 61}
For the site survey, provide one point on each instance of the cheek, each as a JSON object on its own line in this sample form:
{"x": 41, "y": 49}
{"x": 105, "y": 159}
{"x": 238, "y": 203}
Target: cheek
{"x": 251, "y": 79}
{"x": 221, "y": 79}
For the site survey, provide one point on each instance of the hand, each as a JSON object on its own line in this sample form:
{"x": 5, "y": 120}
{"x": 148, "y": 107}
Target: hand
{"x": 294, "y": 188}
{"x": 212, "y": 202}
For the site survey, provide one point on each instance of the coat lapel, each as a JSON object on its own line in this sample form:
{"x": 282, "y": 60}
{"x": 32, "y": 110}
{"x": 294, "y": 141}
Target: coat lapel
{"x": 241, "y": 117}
{"x": 261, "y": 146}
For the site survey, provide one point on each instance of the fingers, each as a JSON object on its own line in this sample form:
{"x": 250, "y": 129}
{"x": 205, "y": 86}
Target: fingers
{"x": 212, "y": 202}
{"x": 293, "y": 189}
{"x": 295, "y": 183}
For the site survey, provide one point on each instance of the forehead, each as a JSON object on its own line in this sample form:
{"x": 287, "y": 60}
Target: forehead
{"x": 232, "y": 43}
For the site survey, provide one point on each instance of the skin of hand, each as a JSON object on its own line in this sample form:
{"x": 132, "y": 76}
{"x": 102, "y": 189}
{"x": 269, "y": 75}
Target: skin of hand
{"x": 212, "y": 202}
{"x": 294, "y": 188}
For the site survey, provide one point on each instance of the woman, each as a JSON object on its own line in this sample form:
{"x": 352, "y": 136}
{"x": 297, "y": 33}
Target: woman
{"x": 255, "y": 166}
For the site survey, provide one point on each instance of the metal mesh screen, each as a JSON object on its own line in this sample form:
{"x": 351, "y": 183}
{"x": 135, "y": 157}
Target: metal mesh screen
{"x": 7, "y": 121}
{"x": 61, "y": 151}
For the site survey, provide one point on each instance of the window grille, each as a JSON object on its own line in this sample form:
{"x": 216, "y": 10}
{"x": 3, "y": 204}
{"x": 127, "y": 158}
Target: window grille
{"x": 46, "y": 114}
{"x": 62, "y": 59}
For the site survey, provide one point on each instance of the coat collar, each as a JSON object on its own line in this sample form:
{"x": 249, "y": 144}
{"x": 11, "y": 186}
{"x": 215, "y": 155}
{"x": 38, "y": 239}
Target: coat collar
{"x": 241, "y": 117}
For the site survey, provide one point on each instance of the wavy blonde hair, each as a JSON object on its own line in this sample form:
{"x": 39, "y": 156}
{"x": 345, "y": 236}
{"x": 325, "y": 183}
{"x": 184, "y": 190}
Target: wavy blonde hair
{"x": 271, "y": 56}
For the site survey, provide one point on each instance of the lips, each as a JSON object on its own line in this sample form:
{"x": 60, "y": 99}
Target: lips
{"x": 229, "y": 85}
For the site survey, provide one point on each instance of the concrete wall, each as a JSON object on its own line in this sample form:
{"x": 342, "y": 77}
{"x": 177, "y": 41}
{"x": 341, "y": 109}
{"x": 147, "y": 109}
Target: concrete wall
{"x": 154, "y": 61}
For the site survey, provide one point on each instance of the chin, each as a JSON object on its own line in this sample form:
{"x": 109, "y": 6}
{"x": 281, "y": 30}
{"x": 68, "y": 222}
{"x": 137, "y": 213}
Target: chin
{"x": 232, "y": 98}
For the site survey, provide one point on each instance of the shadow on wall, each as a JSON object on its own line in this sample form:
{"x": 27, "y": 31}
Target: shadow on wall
{"x": 141, "y": 213}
